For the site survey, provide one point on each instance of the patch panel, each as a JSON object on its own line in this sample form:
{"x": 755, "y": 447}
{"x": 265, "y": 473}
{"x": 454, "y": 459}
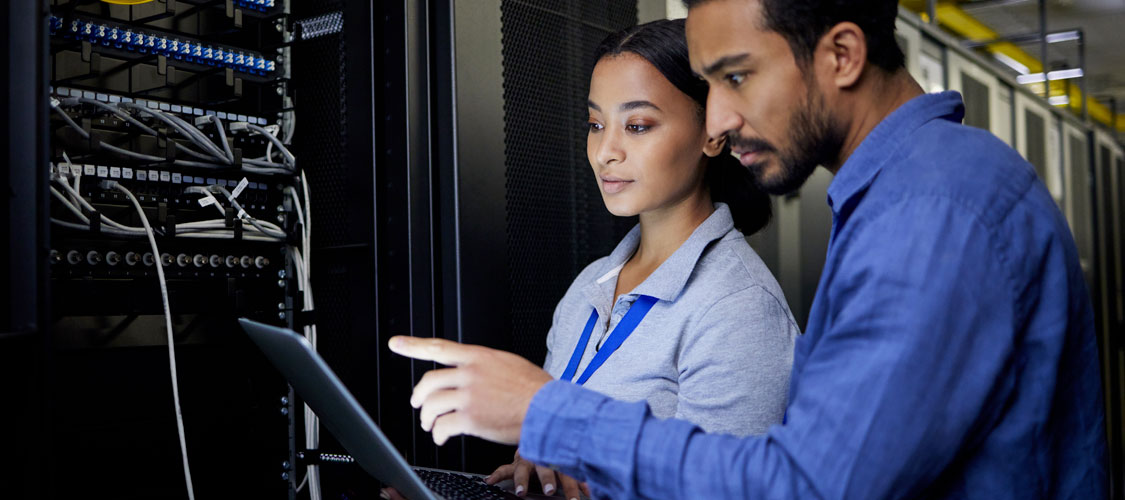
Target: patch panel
{"x": 152, "y": 42}
{"x": 64, "y": 92}
{"x": 161, "y": 186}
{"x": 258, "y": 5}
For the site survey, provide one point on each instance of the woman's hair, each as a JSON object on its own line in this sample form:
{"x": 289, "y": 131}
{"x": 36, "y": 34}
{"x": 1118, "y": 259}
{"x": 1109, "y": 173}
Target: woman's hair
{"x": 662, "y": 43}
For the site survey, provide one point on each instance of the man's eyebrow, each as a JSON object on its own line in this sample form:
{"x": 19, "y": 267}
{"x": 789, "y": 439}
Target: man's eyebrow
{"x": 631, "y": 105}
{"x": 591, "y": 104}
{"x": 724, "y": 61}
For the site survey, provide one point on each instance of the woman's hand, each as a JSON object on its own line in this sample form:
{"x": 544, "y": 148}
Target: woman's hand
{"x": 519, "y": 471}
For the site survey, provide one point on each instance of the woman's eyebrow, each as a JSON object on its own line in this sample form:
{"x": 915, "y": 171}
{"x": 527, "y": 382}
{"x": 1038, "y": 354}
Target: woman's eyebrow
{"x": 631, "y": 105}
{"x": 593, "y": 105}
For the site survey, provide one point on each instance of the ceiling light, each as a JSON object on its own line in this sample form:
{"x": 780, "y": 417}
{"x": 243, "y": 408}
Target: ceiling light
{"x": 1062, "y": 74}
{"x": 1063, "y": 36}
{"x": 1011, "y": 63}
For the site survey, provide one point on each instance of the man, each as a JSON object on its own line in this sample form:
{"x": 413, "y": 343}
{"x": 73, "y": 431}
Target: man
{"x": 950, "y": 352}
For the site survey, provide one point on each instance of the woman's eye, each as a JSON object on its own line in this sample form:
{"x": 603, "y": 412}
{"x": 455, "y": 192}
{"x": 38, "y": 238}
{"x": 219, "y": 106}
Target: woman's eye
{"x": 594, "y": 126}
{"x": 637, "y": 128}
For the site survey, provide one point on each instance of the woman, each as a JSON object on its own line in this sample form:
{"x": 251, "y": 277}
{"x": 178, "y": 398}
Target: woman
{"x": 683, "y": 314}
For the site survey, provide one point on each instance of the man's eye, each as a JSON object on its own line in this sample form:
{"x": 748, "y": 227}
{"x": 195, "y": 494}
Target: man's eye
{"x": 735, "y": 79}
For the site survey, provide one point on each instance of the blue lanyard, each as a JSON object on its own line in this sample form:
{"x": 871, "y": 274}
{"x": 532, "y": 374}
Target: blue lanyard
{"x": 624, "y": 329}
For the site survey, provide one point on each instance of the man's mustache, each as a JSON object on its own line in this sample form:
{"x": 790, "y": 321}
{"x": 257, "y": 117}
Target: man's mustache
{"x": 748, "y": 144}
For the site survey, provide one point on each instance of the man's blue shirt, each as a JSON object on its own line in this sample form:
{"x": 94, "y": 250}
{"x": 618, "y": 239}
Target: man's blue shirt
{"x": 950, "y": 351}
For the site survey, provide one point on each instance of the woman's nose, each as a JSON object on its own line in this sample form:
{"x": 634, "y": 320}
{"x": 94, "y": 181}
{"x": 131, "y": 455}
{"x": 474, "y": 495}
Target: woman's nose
{"x": 609, "y": 148}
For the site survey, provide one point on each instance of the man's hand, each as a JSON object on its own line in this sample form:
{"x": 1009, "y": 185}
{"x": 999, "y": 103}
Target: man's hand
{"x": 485, "y": 393}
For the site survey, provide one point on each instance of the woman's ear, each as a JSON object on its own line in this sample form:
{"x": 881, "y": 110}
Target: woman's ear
{"x": 714, "y": 146}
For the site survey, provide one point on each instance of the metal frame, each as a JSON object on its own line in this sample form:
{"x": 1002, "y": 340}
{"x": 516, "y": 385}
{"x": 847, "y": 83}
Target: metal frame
{"x": 474, "y": 177}
{"x": 25, "y": 229}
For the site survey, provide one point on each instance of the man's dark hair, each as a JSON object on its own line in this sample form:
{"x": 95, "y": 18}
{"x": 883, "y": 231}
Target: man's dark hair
{"x": 803, "y": 22}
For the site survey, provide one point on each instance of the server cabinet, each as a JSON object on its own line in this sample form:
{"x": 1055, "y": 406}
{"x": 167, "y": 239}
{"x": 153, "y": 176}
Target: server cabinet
{"x": 988, "y": 102}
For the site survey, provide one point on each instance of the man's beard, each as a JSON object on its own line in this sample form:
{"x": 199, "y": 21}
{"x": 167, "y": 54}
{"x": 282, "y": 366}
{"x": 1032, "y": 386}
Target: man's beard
{"x": 814, "y": 137}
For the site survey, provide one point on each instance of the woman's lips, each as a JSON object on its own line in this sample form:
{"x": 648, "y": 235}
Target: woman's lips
{"x": 614, "y": 185}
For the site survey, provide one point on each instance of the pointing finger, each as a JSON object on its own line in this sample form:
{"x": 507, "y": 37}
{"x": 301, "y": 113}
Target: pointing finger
{"x": 439, "y": 350}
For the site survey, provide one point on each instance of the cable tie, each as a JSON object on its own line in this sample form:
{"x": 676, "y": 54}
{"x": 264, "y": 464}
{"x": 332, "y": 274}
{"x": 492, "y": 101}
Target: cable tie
{"x": 304, "y": 318}
{"x": 95, "y": 218}
{"x": 170, "y": 226}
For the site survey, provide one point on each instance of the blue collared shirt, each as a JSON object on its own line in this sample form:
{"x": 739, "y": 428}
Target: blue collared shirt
{"x": 950, "y": 351}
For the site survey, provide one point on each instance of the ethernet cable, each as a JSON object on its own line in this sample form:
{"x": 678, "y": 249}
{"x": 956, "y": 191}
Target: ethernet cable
{"x": 131, "y": 154}
{"x": 117, "y": 111}
{"x": 215, "y": 228}
{"x": 168, "y": 326}
{"x": 310, "y": 330}
{"x": 264, "y": 227}
{"x": 234, "y": 203}
{"x": 222, "y": 136}
{"x": 249, "y": 165}
{"x": 193, "y": 134}
{"x": 301, "y": 265}
{"x": 208, "y": 234}
{"x": 290, "y": 161}
{"x": 82, "y": 201}
{"x": 273, "y": 130}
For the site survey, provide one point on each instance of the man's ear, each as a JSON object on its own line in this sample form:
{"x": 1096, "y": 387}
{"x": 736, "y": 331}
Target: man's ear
{"x": 846, "y": 47}
{"x": 714, "y": 146}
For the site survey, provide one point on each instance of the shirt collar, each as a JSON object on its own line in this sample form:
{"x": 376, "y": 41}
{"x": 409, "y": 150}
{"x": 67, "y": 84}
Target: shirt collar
{"x": 868, "y": 160}
{"x": 668, "y": 280}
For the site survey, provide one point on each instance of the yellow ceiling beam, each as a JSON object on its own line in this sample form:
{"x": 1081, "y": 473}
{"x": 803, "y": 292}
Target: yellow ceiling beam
{"x": 968, "y": 27}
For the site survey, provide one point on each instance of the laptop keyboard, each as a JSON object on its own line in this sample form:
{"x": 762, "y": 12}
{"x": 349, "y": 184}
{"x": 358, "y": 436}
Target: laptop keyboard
{"x": 454, "y": 486}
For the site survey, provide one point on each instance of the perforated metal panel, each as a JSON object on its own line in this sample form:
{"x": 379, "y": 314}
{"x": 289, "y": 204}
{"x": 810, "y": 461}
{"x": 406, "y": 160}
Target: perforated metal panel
{"x": 557, "y": 223}
{"x": 321, "y": 140}
{"x": 977, "y": 102}
{"x": 1080, "y": 192}
{"x": 1036, "y": 142}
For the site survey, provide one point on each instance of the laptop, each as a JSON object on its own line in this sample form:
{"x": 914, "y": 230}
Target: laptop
{"x": 339, "y": 411}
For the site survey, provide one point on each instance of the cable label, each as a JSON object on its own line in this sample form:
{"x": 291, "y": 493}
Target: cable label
{"x": 238, "y": 189}
{"x": 208, "y": 200}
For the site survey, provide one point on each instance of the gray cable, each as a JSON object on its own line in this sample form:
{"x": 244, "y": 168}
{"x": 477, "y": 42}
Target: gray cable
{"x": 180, "y": 127}
{"x": 222, "y": 136}
{"x": 290, "y": 159}
{"x": 129, "y": 118}
{"x": 238, "y": 207}
{"x": 70, "y": 121}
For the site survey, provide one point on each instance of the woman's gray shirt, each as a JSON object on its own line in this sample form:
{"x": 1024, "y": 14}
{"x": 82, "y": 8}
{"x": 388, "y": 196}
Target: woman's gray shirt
{"x": 716, "y": 348}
